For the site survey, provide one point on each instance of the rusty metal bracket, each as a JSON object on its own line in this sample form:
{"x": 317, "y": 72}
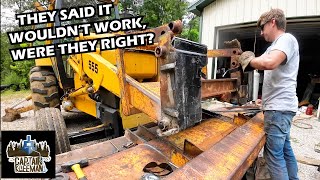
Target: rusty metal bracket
{"x": 190, "y": 149}
{"x": 214, "y": 87}
{"x": 127, "y": 108}
{"x": 133, "y": 137}
{"x": 181, "y": 62}
{"x": 145, "y": 133}
{"x": 224, "y": 52}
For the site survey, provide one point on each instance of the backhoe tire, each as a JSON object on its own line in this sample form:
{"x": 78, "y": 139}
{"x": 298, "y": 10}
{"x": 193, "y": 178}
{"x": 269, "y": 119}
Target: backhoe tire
{"x": 50, "y": 119}
{"x": 44, "y": 88}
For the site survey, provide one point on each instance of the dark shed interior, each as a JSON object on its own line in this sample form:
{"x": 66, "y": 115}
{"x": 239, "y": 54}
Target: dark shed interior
{"x": 308, "y": 36}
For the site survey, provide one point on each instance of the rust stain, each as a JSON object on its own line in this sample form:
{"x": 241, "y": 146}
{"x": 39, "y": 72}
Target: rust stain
{"x": 147, "y": 103}
{"x": 239, "y": 120}
{"x": 224, "y": 52}
{"x": 191, "y": 149}
{"x": 209, "y": 88}
{"x": 178, "y": 159}
{"x": 94, "y": 151}
{"x": 152, "y": 86}
{"x": 214, "y": 87}
{"x": 231, "y": 156}
{"x": 127, "y": 164}
{"x": 168, "y": 149}
{"x": 225, "y": 156}
{"x": 204, "y": 135}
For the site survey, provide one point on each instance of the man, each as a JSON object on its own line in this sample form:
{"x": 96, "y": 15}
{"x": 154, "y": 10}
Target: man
{"x": 280, "y": 63}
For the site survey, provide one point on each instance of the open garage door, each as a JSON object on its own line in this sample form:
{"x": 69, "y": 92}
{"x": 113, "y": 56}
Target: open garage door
{"x": 307, "y": 32}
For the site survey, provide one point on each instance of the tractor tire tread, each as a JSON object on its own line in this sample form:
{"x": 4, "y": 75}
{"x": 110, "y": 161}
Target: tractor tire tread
{"x": 44, "y": 87}
{"x": 51, "y": 119}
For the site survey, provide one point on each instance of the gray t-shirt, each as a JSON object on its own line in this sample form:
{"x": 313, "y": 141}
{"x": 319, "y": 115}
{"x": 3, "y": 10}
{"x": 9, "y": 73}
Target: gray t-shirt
{"x": 279, "y": 85}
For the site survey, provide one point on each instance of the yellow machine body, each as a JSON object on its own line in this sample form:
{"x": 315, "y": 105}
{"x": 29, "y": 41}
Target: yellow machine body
{"x": 140, "y": 65}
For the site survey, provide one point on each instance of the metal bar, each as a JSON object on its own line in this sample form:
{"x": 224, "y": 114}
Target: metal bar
{"x": 57, "y": 62}
{"x": 140, "y": 87}
{"x": 237, "y": 110}
{"x": 208, "y": 87}
{"x": 168, "y": 66}
{"x": 223, "y": 52}
{"x": 230, "y": 158}
{"x": 24, "y": 109}
{"x": 93, "y": 152}
{"x": 25, "y": 99}
{"x": 124, "y": 164}
{"x": 72, "y": 61}
{"x": 148, "y": 102}
{"x": 145, "y": 133}
{"x": 133, "y": 137}
{"x": 144, "y": 100}
{"x": 85, "y": 136}
{"x": 190, "y": 149}
{"x": 124, "y": 94}
{"x": 204, "y": 135}
{"x": 81, "y": 91}
{"x": 214, "y": 87}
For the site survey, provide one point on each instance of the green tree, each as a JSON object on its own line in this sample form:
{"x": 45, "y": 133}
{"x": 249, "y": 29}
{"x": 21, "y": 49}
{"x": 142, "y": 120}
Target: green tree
{"x": 129, "y": 8}
{"x": 156, "y": 13}
{"x": 15, "y": 73}
{"x": 21, "y": 6}
{"x": 161, "y": 12}
{"x": 191, "y": 28}
{"x": 5, "y": 58}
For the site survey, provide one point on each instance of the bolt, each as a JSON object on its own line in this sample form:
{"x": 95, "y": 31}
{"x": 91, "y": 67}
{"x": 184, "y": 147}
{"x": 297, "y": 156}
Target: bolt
{"x": 90, "y": 89}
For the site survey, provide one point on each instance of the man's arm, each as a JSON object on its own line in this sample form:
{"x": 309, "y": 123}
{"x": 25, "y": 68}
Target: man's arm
{"x": 268, "y": 61}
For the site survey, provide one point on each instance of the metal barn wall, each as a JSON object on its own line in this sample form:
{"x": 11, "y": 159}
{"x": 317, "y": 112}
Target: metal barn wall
{"x": 227, "y": 12}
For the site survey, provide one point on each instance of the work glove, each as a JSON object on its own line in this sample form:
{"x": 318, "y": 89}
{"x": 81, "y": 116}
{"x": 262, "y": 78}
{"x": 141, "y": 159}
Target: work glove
{"x": 245, "y": 59}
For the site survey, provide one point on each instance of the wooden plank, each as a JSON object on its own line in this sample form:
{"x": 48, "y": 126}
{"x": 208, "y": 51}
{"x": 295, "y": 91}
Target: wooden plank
{"x": 308, "y": 161}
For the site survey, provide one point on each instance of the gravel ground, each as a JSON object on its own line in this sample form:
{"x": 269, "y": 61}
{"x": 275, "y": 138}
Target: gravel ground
{"x": 75, "y": 121}
{"x": 303, "y": 139}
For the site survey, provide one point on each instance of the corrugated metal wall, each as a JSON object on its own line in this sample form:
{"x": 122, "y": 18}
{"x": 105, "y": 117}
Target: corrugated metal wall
{"x": 226, "y": 12}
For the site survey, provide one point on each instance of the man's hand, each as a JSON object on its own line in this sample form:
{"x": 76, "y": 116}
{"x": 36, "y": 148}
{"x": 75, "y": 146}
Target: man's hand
{"x": 245, "y": 60}
{"x": 258, "y": 102}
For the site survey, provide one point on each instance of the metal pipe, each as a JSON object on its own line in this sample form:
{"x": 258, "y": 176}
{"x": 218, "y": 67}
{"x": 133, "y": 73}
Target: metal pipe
{"x": 25, "y": 99}
{"x": 71, "y": 61}
{"x": 81, "y": 91}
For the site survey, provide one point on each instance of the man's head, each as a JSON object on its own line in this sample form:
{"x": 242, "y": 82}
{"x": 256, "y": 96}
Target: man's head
{"x": 272, "y": 23}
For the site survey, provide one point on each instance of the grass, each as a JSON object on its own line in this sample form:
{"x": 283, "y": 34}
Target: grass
{"x": 11, "y": 78}
{"x": 11, "y": 94}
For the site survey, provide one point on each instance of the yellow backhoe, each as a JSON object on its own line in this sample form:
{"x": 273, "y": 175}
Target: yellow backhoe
{"x": 162, "y": 83}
